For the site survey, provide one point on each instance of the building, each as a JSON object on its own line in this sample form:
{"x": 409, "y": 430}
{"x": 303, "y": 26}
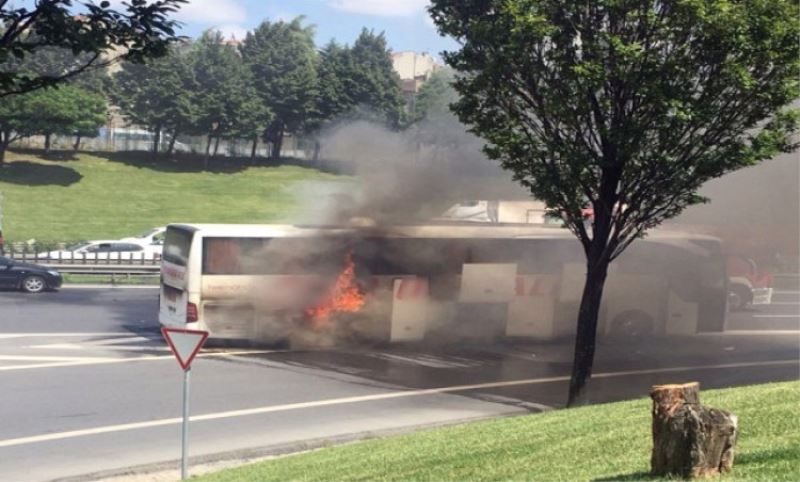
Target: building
{"x": 414, "y": 69}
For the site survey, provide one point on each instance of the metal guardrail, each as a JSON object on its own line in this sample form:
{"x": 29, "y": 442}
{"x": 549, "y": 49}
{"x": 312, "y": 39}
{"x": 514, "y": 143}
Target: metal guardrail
{"x": 85, "y": 260}
{"x": 106, "y": 269}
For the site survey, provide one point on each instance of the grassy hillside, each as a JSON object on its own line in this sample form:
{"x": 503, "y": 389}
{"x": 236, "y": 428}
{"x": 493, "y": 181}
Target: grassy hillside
{"x": 602, "y": 442}
{"x": 90, "y": 197}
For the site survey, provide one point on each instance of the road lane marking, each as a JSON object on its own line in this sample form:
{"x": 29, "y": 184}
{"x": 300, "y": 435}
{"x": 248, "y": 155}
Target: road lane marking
{"x": 129, "y": 360}
{"x": 363, "y": 398}
{"x": 753, "y": 332}
{"x": 777, "y": 316}
{"x": 51, "y": 358}
{"x": 785, "y": 303}
{"x": 56, "y": 334}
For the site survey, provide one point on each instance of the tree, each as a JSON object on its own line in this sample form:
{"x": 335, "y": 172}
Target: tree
{"x": 357, "y": 83}
{"x": 282, "y": 59}
{"x": 91, "y": 114}
{"x": 226, "y": 101}
{"x": 625, "y": 107}
{"x": 94, "y": 35}
{"x": 375, "y": 83}
{"x": 435, "y": 97}
{"x": 68, "y": 110}
{"x": 158, "y": 94}
{"x": 336, "y": 82}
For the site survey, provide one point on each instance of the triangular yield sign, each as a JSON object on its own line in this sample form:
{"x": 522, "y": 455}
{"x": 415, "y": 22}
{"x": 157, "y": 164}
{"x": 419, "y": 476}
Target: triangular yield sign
{"x": 184, "y": 343}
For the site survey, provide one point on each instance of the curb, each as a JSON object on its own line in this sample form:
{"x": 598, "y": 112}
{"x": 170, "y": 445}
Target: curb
{"x": 87, "y": 286}
{"x": 204, "y": 464}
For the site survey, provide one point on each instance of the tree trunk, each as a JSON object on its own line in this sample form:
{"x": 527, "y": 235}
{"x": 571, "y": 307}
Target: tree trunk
{"x": 171, "y": 146}
{"x": 254, "y": 149}
{"x": 277, "y": 144}
{"x": 5, "y": 141}
{"x": 689, "y": 439}
{"x": 586, "y": 334}
{"x": 317, "y": 148}
{"x": 47, "y": 143}
{"x": 208, "y": 152}
{"x": 156, "y": 141}
{"x": 216, "y": 146}
{"x": 77, "y": 144}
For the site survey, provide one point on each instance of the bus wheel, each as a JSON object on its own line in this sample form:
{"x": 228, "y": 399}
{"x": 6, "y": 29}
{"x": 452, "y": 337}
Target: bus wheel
{"x": 632, "y": 324}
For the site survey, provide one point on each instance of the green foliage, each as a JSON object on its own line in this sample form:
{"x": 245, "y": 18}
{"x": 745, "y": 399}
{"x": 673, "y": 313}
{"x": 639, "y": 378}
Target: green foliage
{"x": 282, "y": 59}
{"x": 336, "y": 84}
{"x": 601, "y": 442}
{"x": 67, "y": 110}
{"x": 226, "y": 103}
{"x": 625, "y": 107}
{"x": 357, "y": 83}
{"x": 374, "y": 83}
{"x": 89, "y": 39}
{"x": 435, "y": 97}
{"x": 158, "y": 94}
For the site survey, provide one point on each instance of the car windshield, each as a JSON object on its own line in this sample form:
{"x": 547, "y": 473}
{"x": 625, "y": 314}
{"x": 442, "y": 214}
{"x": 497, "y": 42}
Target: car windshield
{"x": 147, "y": 233}
{"x": 76, "y": 246}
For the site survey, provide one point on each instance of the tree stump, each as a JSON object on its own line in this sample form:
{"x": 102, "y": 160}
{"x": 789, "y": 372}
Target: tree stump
{"x": 689, "y": 439}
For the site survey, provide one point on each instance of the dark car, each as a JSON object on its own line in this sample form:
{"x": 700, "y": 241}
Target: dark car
{"x": 29, "y": 277}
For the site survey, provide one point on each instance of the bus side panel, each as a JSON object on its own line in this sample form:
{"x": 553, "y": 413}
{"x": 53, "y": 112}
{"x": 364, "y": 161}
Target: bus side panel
{"x": 681, "y": 316}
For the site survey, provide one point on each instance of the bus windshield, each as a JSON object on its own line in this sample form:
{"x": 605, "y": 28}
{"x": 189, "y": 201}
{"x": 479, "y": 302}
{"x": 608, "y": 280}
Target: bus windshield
{"x": 176, "y": 245}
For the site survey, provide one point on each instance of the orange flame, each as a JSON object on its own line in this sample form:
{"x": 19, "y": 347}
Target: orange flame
{"x": 344, "y": 296}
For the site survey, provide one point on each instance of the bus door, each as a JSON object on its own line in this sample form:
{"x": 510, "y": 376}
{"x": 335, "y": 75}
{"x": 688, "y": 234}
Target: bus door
{"x": 571, "y": 282}
{"x": 410, "y": 308}
{"x": 531, "y": 313}
{"x": 486, "y": 291}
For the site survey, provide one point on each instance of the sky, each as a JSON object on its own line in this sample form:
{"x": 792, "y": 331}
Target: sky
{"x": 406, "y": 24}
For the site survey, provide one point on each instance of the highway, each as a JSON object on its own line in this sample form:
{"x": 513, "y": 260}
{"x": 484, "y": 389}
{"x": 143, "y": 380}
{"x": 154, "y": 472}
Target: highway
{"x": 90, "y": 389}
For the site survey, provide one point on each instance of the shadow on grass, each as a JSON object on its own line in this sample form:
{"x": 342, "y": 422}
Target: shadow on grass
{"x": 759, "y": 457}
{"x": 630, "y": 476}
{"x": 186, "y": 162}
{"x": 53, "y": 155}
{"x": 34, "y": 174}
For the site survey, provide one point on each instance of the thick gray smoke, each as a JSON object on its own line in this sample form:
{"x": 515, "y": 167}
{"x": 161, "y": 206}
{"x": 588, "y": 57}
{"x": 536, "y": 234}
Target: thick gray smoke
{"x": 756, "y": 211}
{"x": 405, "y": 176}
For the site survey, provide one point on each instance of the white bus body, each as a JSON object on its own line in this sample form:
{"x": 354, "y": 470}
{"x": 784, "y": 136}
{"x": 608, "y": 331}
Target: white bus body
{"x": 256, "y": 282}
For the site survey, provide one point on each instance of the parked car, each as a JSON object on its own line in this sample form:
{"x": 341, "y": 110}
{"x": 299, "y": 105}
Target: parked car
{"x": 748, "y": 284}
{"x": 152, "y": 239}
{"x": 29, "y": 277}
{"x": 104, "y": 250}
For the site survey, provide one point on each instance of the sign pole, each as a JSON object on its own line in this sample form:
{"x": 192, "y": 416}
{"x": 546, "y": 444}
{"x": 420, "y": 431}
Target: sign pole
{"x": 184, "y": 345}
{"x": 185, "y": 435}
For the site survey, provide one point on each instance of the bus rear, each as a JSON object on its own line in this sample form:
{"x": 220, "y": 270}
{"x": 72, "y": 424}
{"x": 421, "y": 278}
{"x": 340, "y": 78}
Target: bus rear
{"x": 178, "y": 302}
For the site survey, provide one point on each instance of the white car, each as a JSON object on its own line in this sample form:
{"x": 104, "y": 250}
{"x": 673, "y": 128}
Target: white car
{"x": 106, "y": 250}
{"x": 152, "y": 239}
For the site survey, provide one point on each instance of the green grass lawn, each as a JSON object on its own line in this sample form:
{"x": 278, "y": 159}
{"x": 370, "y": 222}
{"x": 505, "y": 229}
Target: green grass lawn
{"x": 91, "y": 197}
{"x": 602, "y": 442}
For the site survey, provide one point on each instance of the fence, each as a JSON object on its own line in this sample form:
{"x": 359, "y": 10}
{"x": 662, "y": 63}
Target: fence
{"x": 125, "y": 140}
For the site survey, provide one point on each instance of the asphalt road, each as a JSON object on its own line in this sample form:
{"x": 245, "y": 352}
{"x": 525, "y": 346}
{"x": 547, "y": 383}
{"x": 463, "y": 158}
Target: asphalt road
{"x": 90, "y": 388}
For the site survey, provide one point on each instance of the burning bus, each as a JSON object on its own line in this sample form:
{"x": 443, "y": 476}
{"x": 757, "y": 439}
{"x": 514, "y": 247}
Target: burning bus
{"x": 330, "y": 284}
